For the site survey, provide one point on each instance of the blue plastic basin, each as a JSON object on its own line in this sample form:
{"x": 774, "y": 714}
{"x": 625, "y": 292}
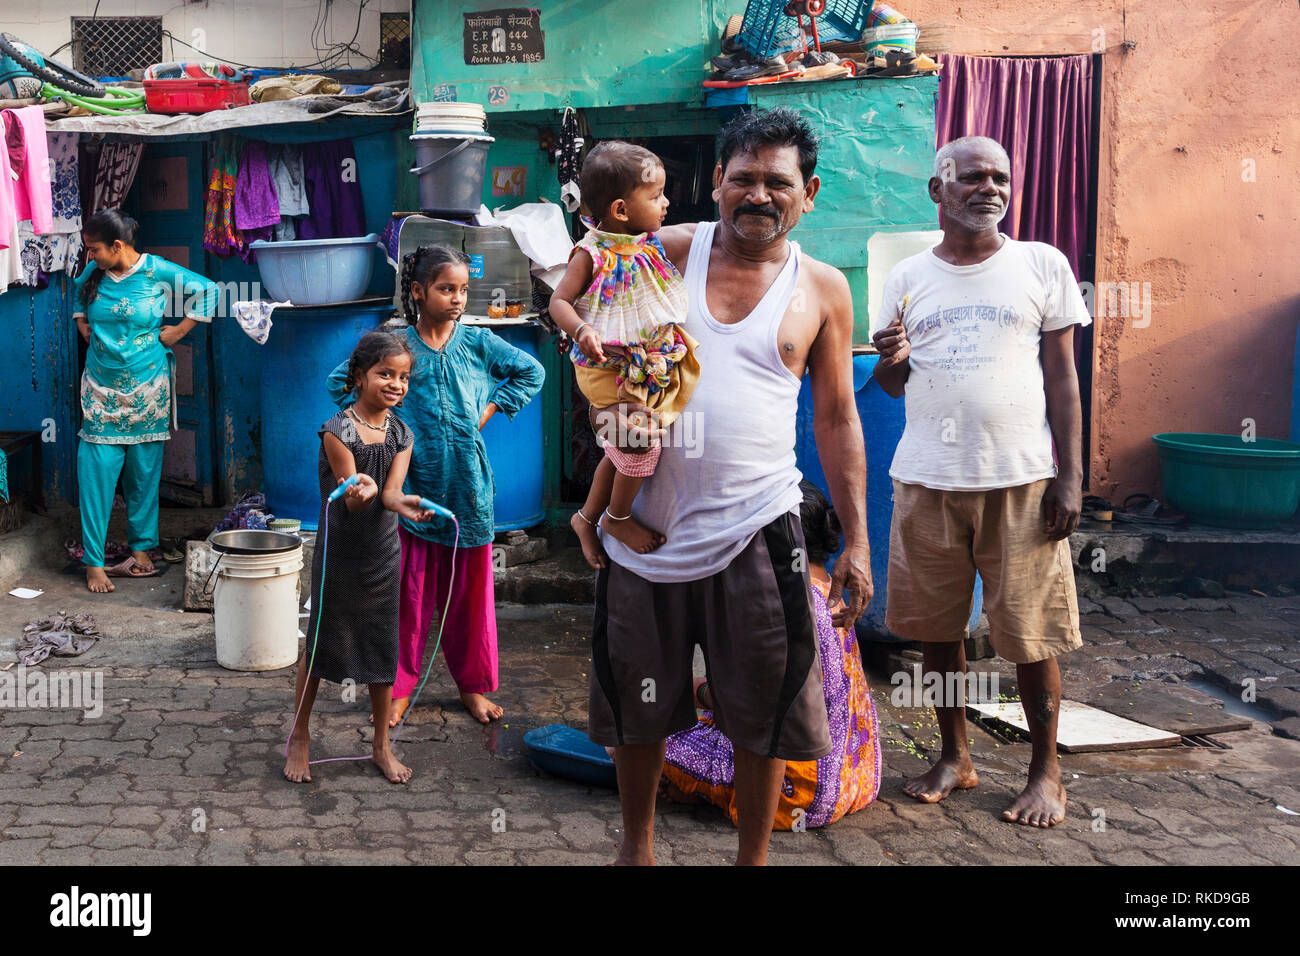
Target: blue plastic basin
{"x": 316, "y": 271}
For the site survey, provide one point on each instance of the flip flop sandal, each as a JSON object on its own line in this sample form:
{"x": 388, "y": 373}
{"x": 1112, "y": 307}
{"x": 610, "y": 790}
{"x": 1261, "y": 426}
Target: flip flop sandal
{"x": 127, "y": 569}
{"x": 1098, "y": 509}
{"x": 1143, "y": 509}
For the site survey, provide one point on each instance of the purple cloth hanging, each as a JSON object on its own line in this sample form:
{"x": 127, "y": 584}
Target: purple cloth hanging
{"x": 256, "y": 205}
{"x": 333, "y": 192}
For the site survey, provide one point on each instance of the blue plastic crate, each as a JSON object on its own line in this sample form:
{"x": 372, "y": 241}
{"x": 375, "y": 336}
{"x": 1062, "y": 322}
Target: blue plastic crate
{"x": 766, "y": 30}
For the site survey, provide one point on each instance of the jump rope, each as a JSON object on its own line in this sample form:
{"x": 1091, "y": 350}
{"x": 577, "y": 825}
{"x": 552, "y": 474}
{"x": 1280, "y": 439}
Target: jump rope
{"x": 425, "y": 505}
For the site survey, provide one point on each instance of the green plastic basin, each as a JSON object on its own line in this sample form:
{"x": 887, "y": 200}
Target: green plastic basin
{"x": 1226, "y": 481}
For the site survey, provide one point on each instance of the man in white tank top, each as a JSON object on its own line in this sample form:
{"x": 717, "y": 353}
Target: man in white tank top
{"x": 731, "y": 576}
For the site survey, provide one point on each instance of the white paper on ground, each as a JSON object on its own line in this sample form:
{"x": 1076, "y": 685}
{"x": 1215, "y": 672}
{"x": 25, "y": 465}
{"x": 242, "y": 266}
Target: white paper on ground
{"x": 27, "y": 592}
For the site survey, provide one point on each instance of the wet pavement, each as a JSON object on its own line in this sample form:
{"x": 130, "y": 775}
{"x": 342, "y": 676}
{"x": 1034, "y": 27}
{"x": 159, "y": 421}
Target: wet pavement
{"x": 183, "y": 765}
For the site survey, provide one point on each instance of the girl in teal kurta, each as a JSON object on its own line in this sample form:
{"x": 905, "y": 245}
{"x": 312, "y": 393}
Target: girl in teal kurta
{"x": 461, "y": 377}
{"x": 127, "y": 389}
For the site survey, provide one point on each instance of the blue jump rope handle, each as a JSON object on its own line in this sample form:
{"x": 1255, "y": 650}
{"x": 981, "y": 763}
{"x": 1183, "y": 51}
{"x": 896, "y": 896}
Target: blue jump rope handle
{"x": 338, "y": 492}
{"x": 427, "y": 505}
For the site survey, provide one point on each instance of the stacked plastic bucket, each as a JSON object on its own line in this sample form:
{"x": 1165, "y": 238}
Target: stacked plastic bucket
{"x": 451, "y": 147}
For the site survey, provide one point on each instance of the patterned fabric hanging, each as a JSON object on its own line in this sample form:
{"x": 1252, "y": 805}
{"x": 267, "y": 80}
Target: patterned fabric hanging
{"x": 567, "y": 150}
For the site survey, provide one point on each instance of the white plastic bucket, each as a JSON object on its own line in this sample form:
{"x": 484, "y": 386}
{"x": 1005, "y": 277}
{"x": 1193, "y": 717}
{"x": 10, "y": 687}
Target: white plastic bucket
{"x": 450, "y": 118}
{"x": 893, "y": 36}
{"x": 255, "y": 609}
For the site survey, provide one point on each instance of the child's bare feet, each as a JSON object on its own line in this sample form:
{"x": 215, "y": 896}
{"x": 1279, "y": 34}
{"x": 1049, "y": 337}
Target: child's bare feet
{"x": 97, "y": 581}
{"x": 296, "y": 767}
{"x": 591, "y": 546}
{"x": 632, "y": 533}
{"x": 482, "y": 709}
{"x": 395, "y": 712}
{"x": 390, "y": 766}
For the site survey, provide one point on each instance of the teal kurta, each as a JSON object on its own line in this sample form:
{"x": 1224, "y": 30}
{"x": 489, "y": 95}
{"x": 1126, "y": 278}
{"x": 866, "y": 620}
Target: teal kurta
{"x": 448, "y": 392}
{"x": 126, "y": 388}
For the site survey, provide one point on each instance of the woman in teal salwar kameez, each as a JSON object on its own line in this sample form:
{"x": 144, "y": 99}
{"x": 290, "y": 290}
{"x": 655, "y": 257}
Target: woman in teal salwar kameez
{"x": 127, "y": 388}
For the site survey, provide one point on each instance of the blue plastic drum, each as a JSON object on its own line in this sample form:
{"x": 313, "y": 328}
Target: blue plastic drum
{"x": 514, "y": 449}
{"x": 882, "y": 428}
{"x": 304, "y": 346}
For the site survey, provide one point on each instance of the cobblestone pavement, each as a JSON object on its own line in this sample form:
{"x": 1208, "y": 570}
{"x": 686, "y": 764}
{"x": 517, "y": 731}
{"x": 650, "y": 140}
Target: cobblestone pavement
{"x": 184, "y": 764}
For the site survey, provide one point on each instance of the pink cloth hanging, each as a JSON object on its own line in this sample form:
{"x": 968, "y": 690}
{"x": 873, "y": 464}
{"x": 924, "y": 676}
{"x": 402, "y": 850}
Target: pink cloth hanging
{"x": 33, "y": 198}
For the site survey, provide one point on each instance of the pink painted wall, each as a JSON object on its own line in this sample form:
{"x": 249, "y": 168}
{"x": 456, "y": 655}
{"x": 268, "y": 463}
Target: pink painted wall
{"x": 1207, "y": 98}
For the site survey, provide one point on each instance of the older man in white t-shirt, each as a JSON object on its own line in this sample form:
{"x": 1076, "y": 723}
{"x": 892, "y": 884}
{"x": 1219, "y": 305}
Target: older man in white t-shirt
{"x": 979, "y": 338}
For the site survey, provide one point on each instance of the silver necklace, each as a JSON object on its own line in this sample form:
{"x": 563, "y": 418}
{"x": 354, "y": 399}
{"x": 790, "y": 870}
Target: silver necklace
{"x": 378, "y": 428}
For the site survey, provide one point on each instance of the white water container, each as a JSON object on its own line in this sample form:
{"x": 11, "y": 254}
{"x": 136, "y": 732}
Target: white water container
{"x": 450, "y": 118}
{"x": 255, "y": 605}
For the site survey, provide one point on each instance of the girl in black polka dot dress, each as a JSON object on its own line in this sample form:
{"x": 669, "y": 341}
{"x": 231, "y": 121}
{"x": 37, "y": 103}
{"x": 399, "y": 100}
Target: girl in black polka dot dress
{"x": 357, "y": 636}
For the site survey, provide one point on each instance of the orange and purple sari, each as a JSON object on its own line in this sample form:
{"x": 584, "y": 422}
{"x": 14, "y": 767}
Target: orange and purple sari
{"x": 814, "y": 793}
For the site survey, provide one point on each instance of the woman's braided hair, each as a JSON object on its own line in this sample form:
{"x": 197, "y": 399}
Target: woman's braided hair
{"x": 423, "y": 265}
{"x": 821, "y": 526}
{"x": 106, "y": 226}
{"x": 373, "y": 348}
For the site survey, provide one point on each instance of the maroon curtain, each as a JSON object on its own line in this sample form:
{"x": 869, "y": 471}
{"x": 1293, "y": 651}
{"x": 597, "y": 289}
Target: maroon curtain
{"x": 1040, "y": 110}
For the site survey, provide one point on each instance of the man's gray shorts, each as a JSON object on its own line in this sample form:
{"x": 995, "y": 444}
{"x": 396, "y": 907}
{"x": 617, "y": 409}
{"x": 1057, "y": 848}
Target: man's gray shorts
{"x": 754, "y": 622}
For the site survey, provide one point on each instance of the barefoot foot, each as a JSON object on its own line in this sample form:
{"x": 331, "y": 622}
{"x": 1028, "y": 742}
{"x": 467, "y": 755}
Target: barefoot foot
{"x": 296, "y": 768}
{"x": 634, "y": 856}
{"x": 480, "y": 708}
{"x": 591, "y": 547}
{"x": 1041, "y": 803}
{"x": 390, "y": 766}
{"x": 941, "y": 779}
{"x": 97, "y": 581}
{"x": 632, "y": 533}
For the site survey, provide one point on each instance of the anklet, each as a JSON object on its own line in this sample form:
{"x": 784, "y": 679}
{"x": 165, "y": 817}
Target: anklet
{"x": 616, "y": 517}
{"x": 585, "y": 518}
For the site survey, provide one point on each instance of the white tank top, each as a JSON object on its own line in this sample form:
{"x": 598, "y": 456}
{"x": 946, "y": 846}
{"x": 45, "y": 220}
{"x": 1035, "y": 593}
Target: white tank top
{"x": 728, "y": 464}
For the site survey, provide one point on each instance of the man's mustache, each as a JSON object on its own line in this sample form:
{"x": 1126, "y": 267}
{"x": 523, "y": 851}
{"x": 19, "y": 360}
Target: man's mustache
{"x": 748, "y": 209}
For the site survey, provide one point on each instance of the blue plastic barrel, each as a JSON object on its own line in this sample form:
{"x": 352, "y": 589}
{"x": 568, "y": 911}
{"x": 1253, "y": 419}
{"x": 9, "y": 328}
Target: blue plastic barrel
{"x": 304, "y": 346}
{"x": 882, "y": 428}
{"x": 514, "y": 449}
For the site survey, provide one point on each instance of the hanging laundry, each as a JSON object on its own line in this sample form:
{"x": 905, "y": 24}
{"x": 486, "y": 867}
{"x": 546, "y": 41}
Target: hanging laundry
{"x": 256, "y": 204}
{"x": 285, "y": 161}
{"x": 333, "y": 192}
{"x": 219, "y": 234}
{"x": 31, "y": 180}
{"x": 114, "y": 174}
{"x": 254, "y": 317}
{"x": 58, "y": 250}
{"x": 286, "y": 165}
{"x": 10, "y": 263}
{"x": 567, "y": 150}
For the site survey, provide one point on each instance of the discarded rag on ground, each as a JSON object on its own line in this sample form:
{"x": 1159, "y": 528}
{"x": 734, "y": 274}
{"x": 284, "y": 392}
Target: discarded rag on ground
{"x": 64, "y": 635}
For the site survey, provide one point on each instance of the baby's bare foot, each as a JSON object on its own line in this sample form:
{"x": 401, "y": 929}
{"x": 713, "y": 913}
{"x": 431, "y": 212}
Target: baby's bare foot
{"x": 591, "y": 546}
{"x": 633, "y": 533}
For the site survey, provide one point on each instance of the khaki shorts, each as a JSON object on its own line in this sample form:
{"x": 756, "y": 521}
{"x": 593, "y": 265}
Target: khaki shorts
{"x": 939, "y": 539}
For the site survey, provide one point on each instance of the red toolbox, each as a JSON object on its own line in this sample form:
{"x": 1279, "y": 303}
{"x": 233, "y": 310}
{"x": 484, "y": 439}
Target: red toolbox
{"x": 194, "y": 87}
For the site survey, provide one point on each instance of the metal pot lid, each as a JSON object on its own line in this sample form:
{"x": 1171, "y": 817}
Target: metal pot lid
{"x": 253, "y": 542}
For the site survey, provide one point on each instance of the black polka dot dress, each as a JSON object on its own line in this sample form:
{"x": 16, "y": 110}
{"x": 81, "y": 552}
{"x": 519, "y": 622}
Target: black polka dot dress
{"x": 363, "y": 558}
